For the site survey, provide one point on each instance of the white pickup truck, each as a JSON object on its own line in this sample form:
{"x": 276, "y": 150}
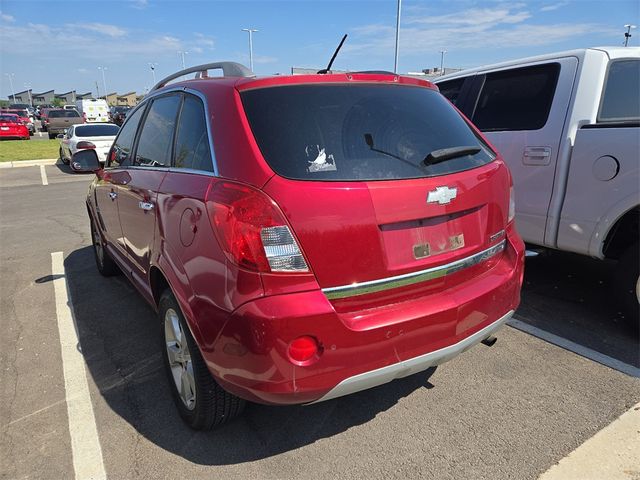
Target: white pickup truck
{"x": 568, "y": 125}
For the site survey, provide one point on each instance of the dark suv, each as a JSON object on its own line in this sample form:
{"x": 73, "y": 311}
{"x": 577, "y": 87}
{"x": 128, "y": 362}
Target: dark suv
{"x": 304, "y": 237}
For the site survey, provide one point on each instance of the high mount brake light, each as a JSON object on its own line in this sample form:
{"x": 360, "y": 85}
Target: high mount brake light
{"x": 252, "y": 230}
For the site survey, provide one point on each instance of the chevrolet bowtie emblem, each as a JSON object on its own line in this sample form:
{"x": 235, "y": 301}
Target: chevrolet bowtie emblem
{"x": 442, "y": 195}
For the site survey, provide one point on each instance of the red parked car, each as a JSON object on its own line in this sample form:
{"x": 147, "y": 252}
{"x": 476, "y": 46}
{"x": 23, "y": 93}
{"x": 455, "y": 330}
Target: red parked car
{"x": 304, "y": 237}
{"x": 11, "y": 127}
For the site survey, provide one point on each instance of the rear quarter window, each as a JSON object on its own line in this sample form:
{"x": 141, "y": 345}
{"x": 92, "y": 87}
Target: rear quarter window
{"x": 621, "y": 96}
{"x": 358, "y": 132}
{"x": 516, "y": 99}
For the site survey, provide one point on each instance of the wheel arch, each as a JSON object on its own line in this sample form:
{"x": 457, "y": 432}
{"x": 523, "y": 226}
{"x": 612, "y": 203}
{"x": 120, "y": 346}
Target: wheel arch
{"x": 622, "y": 234}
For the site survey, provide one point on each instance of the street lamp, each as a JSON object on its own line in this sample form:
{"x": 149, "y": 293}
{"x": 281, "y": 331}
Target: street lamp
{"x": 28, "y": 87}
{"x": 250, "y": 31}
{"x": 442, "y": 52}
{"x": 152, "y": 66}
{"x": 182, "y": 54}
{"x": 13, "y": 92}
{"x": 395, "y": 63}
{"x": 104, "y": 82}
{"x": 627, "y": 34}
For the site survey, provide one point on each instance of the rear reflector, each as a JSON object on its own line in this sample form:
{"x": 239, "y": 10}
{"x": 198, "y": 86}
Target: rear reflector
{"x": 303, "y": 349}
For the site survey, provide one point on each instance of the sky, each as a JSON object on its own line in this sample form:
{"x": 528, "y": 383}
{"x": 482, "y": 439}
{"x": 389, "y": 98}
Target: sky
{"x": 60, "y": 44}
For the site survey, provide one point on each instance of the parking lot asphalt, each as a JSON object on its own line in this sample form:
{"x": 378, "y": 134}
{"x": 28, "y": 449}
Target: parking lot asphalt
{"x": 509, "y": 411}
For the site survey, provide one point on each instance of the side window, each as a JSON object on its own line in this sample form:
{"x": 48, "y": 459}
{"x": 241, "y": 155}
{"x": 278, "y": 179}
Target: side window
{"x": 621, "y": 97}
{"x": 192, "y": 141}
{"x": 518, "y": 99}
{"x": 119, "y": 156}
{"x": 451, "y": 89}
{"x": 156, "y": 138}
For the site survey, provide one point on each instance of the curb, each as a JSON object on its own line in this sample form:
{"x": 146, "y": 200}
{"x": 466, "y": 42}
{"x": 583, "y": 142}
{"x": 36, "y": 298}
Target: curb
{"x": 29, "y": 163}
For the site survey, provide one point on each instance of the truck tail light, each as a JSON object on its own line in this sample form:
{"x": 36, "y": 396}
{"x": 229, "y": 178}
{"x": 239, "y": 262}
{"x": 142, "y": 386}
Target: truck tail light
{"x": 252, "y": 230}
{"x": 512, "y": 206}
{"x": 84, "y": 145}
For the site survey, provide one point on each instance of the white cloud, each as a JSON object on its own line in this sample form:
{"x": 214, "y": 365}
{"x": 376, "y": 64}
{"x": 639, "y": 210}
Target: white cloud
{"x": 556, "y": 6}
{"x": 83, "y": 71}
{"x": 139, "y": 4}
{"x": 6, "y": 18}
{"x": 103, "y": 28}
{"x": 466, "y": 29}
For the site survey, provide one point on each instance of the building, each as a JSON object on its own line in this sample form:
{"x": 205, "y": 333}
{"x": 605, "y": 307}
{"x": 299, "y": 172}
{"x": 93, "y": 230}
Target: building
{"x": 432, "y": 73}
{"x": 21, "y": 97}
{"x": 44, "y": 98}
{"x": 112, "y": 98}
{"x": 68, "y": 98}
{"x": 130, "y": 99}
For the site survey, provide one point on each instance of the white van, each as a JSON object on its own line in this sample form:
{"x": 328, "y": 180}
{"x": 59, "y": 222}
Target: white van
{"x": 568, "y": 126}
{"x": 93, "y": 111}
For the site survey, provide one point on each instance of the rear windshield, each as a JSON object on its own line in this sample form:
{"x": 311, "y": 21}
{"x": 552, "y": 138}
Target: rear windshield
{"x": 9, "y": 118}
{"x": 63, "y": 113}
{"x": 358, "y": 132}
{"x": 96, "y": 131}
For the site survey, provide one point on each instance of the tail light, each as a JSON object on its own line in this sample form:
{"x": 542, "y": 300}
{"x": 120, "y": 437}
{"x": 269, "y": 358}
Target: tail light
{"x": 512, "y": 205}
{"x": 84, "y": 145}
{"x": 252, "y": 230}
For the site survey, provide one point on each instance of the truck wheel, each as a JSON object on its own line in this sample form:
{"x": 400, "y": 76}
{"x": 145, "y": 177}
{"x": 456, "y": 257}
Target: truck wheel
{"x": 105, "y": 264}
{"x": 201, "y": 402}
{"x": 51, "y": 137}
{"x": 627, "y": 283}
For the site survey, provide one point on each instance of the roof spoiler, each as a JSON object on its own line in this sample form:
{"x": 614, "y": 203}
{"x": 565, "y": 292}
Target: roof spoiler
{"x": 229, "y": 69}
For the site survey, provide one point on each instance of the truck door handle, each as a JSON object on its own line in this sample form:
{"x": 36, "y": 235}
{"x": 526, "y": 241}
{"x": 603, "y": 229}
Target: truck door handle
{"x": 113, "y": 195}
{"x": 146, "y": 206}
{"x": 537, "y": 156}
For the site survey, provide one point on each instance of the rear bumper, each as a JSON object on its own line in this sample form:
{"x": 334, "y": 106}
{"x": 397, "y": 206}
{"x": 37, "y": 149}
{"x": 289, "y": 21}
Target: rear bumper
{"x": 363, "y": 349}
{"x": 418, "y": 364}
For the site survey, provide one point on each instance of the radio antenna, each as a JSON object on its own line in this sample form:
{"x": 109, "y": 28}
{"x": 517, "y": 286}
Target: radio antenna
{"x": 326, "y": 70}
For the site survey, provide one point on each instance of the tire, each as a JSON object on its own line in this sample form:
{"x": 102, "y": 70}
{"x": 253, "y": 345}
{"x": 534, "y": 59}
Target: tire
{"x": 627, "y": 283}
{"x": 62, "y": 159}
{"x": 203, "y": 404}
{"x": 105, "y": 264}
{"x": 51, "y": 137}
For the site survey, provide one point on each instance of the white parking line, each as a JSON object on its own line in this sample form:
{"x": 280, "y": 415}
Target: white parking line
{"x": 43, "y": 174}
{"x": 612, "y": 453}
{"x": 85, "y": 444}
{"x": 575, "y": 348}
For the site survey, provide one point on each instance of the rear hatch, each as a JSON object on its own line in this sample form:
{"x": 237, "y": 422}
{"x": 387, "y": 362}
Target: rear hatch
{"x": 373, "y": 217}
{"x": 102, "y": 136}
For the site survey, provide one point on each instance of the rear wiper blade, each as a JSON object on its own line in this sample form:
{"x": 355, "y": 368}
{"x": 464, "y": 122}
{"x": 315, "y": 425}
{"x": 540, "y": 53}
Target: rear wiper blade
{"x": 443, "y": 154}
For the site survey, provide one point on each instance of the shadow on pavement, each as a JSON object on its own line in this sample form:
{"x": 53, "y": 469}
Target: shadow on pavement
{"x": 571, "y": 296}
{"x": 120, "y": 339}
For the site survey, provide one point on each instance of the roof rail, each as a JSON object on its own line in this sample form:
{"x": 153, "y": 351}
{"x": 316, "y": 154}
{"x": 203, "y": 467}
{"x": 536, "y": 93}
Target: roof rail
{"x": 229, "y": 69}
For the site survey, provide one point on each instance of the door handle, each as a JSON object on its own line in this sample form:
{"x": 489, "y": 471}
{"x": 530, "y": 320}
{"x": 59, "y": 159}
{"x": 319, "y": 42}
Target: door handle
{"x": 113, "y": 195}
{"x": 146, "y": 206}
{"x": 537, "y": 156}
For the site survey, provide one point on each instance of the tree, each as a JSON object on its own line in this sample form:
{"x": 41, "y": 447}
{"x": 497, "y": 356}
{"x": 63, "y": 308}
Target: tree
{"x": 57, "y": 102}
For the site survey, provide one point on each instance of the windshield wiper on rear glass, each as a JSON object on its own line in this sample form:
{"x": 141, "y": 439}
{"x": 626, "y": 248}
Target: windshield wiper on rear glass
{"x": 368, "y": 138}
{"x": 443, "y": 154}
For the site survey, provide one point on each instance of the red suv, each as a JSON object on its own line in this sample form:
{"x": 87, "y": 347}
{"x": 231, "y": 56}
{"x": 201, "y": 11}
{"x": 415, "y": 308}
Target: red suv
{"x": 305, "y": 237}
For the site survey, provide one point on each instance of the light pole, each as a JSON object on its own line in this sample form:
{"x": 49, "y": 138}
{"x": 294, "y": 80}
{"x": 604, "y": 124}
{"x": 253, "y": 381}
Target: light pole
{"x": 250, "y": 31}
{"x": 13, "y": 92}
{"x": 104, "y": 82}
{"x": 395, "y": 63}
{"x": 152, "y": 66}
{"x": 182, "y": 54}
{"x": 627, "y": 34}
{"x": 442, "y": 52}
{"x": 28, "y": 87}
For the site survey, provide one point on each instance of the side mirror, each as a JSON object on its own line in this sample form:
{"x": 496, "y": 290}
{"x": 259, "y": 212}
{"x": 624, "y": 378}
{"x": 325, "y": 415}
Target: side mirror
{"x": 60, "y": 135}
{"x": 85, "y": 161}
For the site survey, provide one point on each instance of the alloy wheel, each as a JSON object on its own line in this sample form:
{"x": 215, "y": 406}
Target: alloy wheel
{"x": 179, "y": 359}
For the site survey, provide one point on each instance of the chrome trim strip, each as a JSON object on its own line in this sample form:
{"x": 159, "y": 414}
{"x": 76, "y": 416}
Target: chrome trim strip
{"x": 413, "y": 277}
{"x": 417, "y": 364}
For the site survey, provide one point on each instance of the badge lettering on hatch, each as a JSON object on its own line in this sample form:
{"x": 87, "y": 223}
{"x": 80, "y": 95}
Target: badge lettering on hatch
{"x": 442, "y": 195}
